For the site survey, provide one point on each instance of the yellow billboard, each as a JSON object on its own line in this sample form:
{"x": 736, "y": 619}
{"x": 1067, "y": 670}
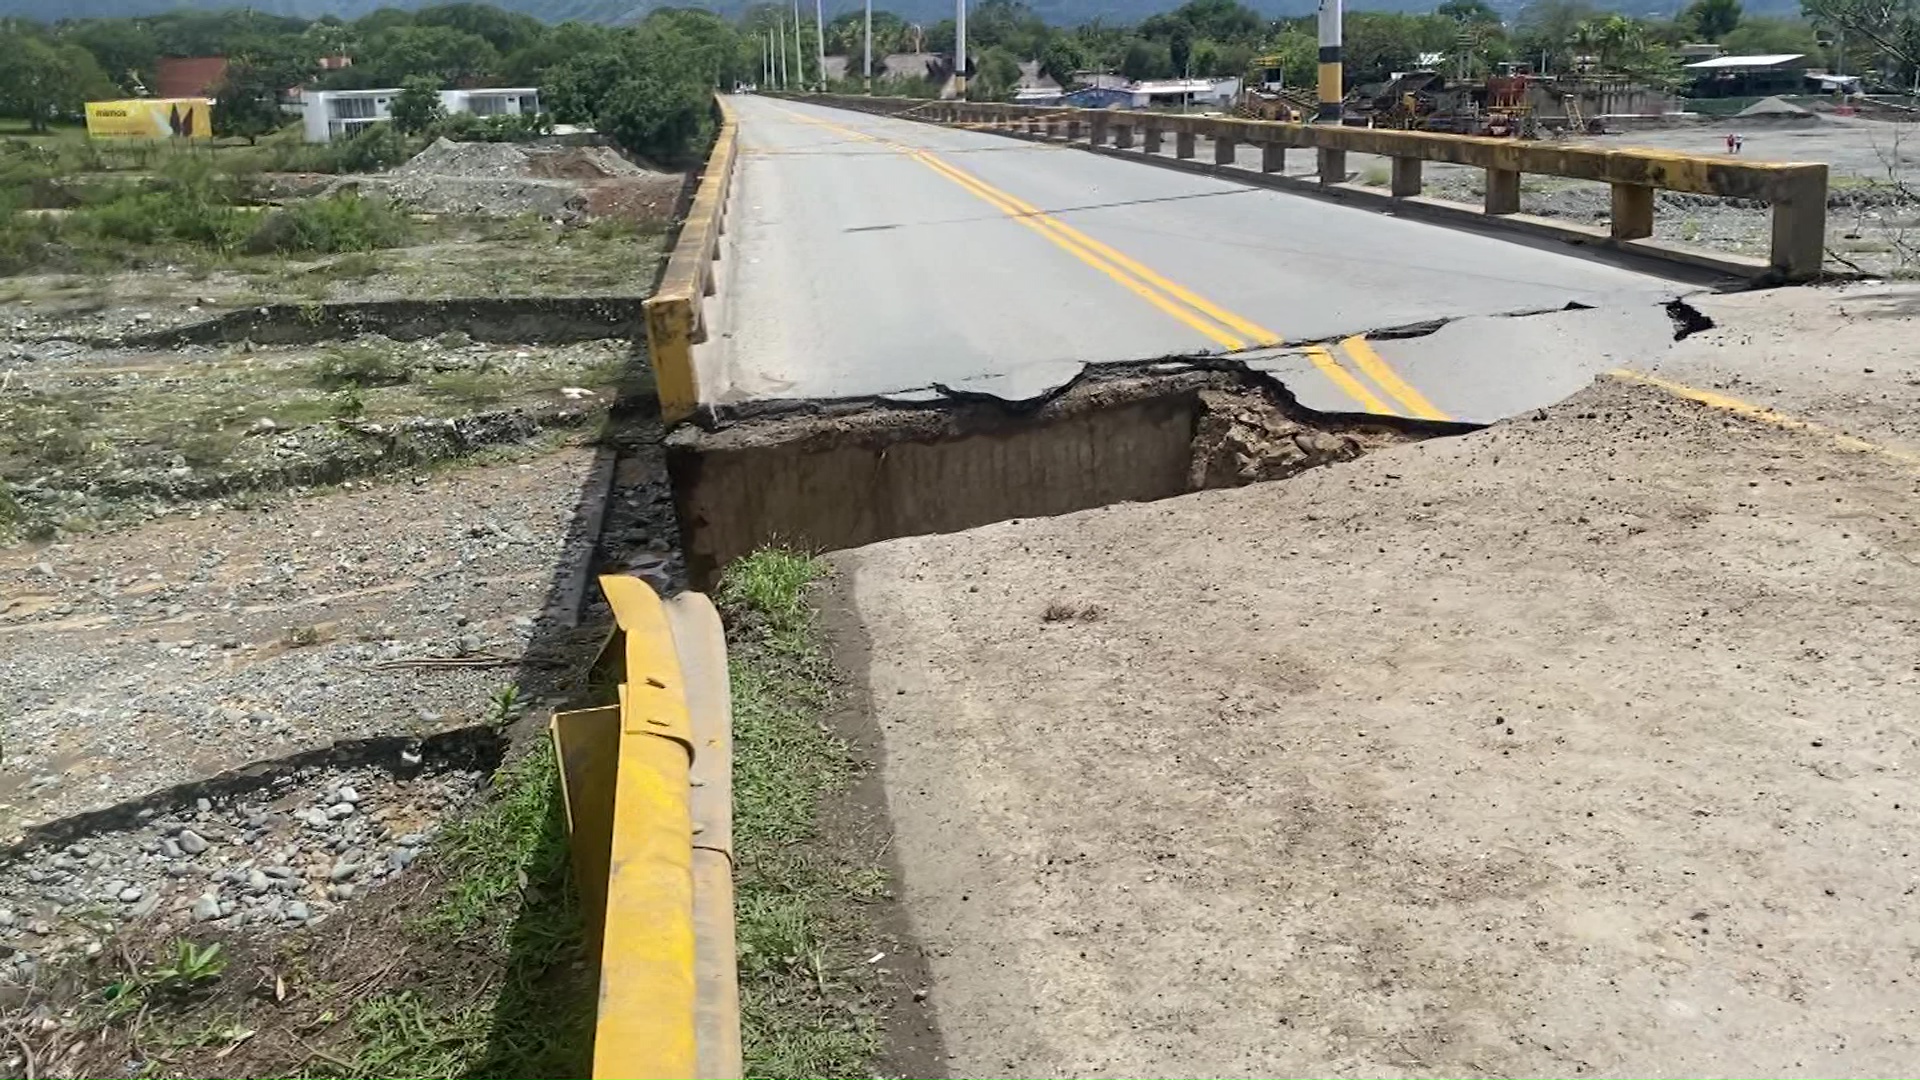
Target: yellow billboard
{"x": 150, "y": 118}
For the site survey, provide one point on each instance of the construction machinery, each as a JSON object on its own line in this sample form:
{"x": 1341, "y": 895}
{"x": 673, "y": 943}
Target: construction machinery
{"x": 1264, "y": 94}
{"x": 1427, "y": 100}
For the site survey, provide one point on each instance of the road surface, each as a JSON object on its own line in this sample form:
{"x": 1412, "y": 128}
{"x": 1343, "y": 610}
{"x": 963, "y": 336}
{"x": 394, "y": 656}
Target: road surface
{"x": 869, "y": 256}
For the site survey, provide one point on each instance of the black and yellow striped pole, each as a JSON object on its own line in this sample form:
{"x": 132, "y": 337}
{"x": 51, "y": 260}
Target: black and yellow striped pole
{"x": 1331, "y": 95}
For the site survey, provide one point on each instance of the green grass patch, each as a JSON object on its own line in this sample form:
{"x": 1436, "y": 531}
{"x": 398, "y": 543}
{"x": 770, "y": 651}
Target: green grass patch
{"x": 508, "y": 896}
{"x": 355, "y": 367}
{"x": 798, "y": 910}
{"x": 472, "y": 388}
{"x": 340, "y": 222}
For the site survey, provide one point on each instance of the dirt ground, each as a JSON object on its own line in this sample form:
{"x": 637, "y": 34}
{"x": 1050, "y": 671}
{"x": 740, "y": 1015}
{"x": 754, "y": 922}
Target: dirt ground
{"x": 246, "y": 635}
{"x": 1571, "y": 746}
{"x": 465, "y": 258}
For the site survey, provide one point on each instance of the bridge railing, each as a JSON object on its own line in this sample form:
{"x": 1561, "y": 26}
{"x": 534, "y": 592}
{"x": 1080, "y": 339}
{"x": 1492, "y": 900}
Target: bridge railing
{"x": 1796, "y": 192}
{"x": 676, "y": 312}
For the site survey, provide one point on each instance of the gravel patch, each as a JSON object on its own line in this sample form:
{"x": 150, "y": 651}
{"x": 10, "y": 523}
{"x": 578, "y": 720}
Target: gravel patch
{"x": 285, "y": 856}
{"x": 201, "y": 643}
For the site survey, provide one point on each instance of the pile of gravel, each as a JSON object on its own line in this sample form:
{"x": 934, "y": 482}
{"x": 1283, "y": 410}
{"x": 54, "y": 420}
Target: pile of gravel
{"x": 470, "y": 159}
{"x": 501, "y": 179}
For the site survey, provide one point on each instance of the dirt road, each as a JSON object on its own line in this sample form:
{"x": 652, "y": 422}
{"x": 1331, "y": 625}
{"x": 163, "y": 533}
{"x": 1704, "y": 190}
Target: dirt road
{"x": 1578, "y": 745}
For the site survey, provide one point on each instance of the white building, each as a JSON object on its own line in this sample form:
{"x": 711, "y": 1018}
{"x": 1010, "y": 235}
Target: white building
{"x": 1209, "y": 93}
{"x": 330, "y": 114}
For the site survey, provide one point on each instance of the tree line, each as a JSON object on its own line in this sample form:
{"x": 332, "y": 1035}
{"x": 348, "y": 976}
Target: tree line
{"x": 647, "y": 84}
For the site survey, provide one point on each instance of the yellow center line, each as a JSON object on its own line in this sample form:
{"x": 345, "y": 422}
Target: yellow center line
{"x": 1352, "y": 387}
{"x": 1226, "y": 340}
{"x": 1763, "y": 415}
{"x": 1383, "y": 376}
{"x": 1126, "y": 271}
{"x": 1170, "y": 296}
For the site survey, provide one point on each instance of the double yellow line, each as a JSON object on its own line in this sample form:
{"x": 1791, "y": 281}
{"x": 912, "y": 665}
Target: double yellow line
{"x": 1231, "y": 331}
{"x": 1376, "y": 370}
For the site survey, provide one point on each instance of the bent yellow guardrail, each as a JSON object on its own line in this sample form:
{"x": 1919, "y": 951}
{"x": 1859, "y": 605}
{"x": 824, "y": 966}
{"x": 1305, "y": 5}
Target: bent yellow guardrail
{"x": 648, "y": 791}
{"x": 675, "y": 313}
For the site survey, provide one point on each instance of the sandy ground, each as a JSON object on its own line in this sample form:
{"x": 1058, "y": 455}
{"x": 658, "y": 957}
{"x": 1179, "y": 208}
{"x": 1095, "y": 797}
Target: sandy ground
{"x": 1851, "y": 145}
{"x": 1578, "y": 745}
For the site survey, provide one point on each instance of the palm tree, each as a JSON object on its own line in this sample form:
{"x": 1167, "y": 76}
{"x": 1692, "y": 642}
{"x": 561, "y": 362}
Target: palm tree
{"x": 1618, "y": 38}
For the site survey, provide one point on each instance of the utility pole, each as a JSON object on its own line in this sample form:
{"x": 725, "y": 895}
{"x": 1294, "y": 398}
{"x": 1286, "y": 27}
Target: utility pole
{"x": 1331, "y": 95}
{"x": 766, "y": 60}
{"x": 866, "y": 66}
{"x": 780, "y": 39}
{"x": 799, "y": 62}
{"x": 960, "y": 47}
{"x": 820, "y": 42}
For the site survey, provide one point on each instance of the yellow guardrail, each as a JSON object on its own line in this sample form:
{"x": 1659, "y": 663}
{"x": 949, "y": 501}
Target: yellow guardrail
{"x": 648, "y": 791}
{"x": 1795, "y": 191}
{"x": 676, "y": 312}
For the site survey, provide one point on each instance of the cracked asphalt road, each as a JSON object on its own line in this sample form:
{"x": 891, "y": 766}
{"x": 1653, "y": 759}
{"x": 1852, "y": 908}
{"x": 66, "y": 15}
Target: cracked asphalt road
{"x": 870, "y": 256}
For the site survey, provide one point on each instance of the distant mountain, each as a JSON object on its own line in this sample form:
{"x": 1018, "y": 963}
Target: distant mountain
{"x": 1057, "y": 12}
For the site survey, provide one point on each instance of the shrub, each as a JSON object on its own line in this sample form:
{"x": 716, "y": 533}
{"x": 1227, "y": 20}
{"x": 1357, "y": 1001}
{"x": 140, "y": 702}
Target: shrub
{"x": 340, "y": 222}
{"x": 373, "y": 148}
{"x": 26, "y": 241}
{"x": 358, "y": 366}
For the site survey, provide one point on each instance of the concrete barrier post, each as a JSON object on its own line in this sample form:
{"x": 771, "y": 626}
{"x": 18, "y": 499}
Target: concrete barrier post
{"x": 1333, "y": 165}
{"x": 1123, "y": 136}
{"x": 1800, "y": 226}
{"x": 1150, "y": 139}
{"x": 1097, "y": 129}
{"x": 1632, "y": 211}
{"x": 1503, "y": 191}
{"x": 1053, "y": 127}
{"x": 1223, "y": 150}
{"x": 1273, "y": 158}
{"x": 1406, "y": 177}
{"x": 1183, "y": 144}
{"x": 1073, "y": 130}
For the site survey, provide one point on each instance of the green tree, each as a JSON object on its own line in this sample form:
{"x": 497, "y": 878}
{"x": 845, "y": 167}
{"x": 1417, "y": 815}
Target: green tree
{"x": 504, "y": 30}
{"x": 1761, "y": 37}
{"x": 1180, "y": 49}
{"x": 997, "y": 74}
{"x": 1060, "y": 59}
{"x": 453, "y": 56}
{"x": 41, "y": 80}
{"x": 1619, "y": 39}
{"x": 417, "y": 107}
{"x": 126, "y": 49}
{"x": 1468, "y": 11}
{"x": 1007, "y": 23}
{"x": 1546, "y": 28}
{"x": 1887, "y": 30}
{"x": 1146, "y": 60}
{"x": 247, "y": 101}
{"x": 650, "y": 89}
{"x": 528, "y": 66}
{"x": 1713, "y": 19}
